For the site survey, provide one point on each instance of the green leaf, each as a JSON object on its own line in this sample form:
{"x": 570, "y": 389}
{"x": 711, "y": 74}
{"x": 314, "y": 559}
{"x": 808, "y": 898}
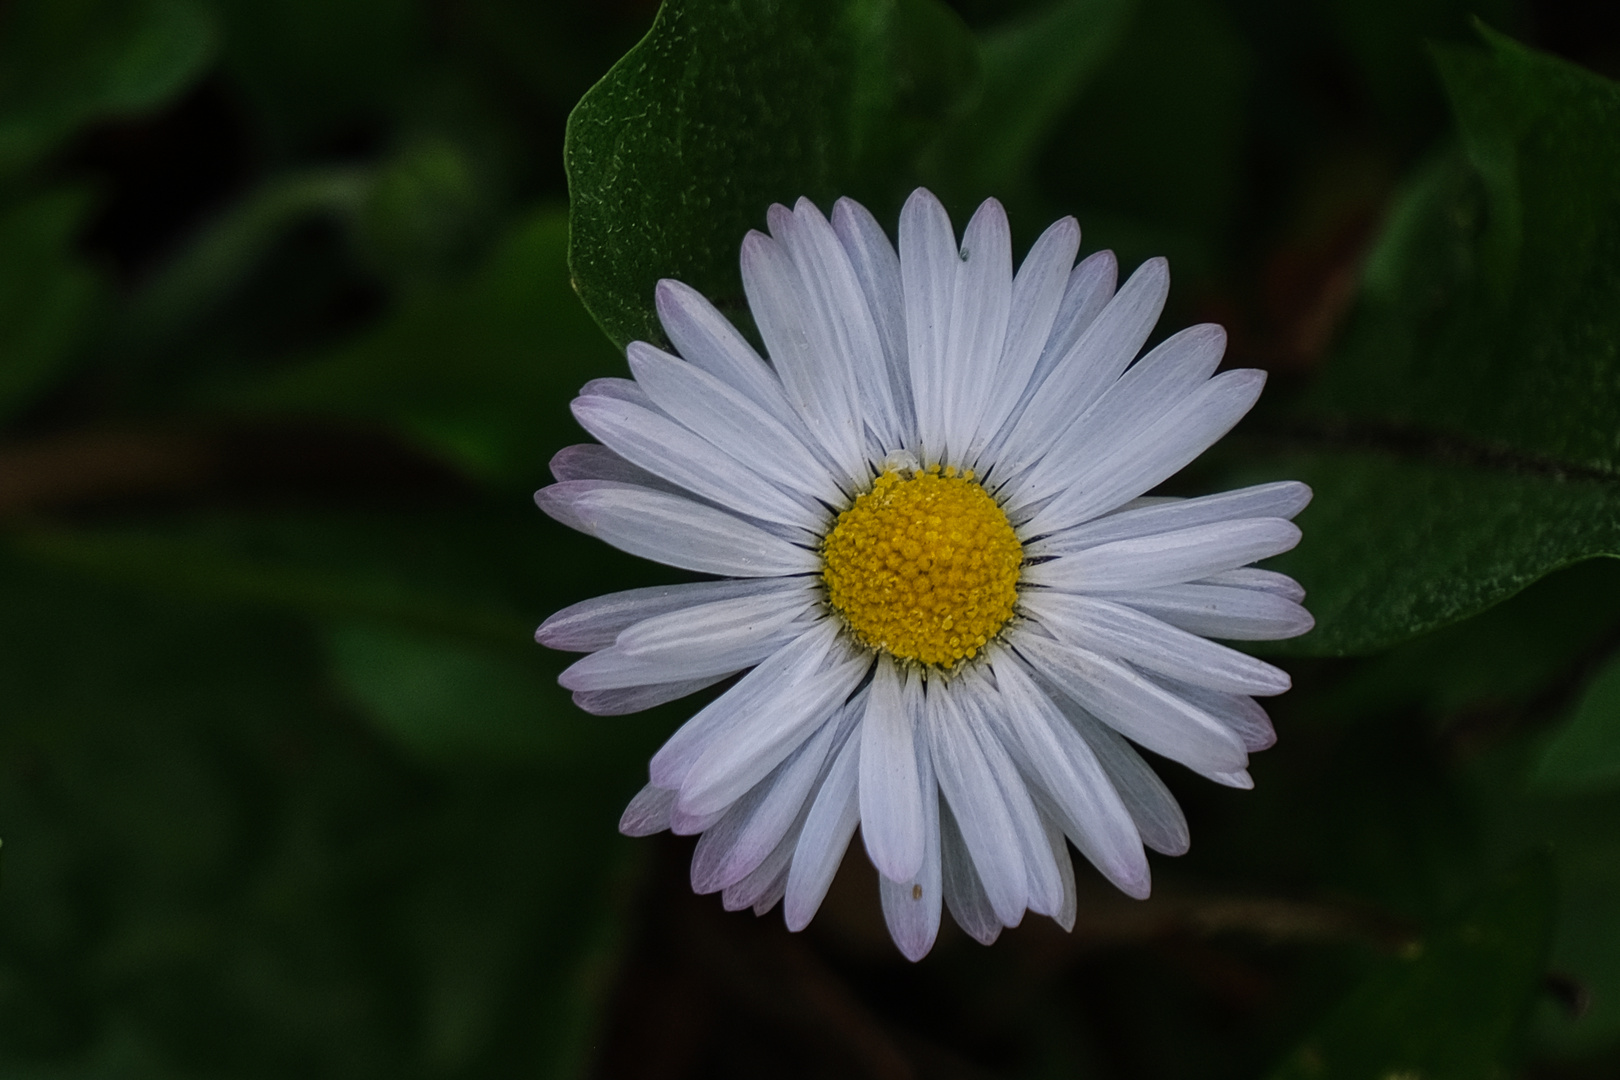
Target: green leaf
{"x": 1498, "y": 326}
{"x": 481, "y": 371}
{"x": 1585, "y": 752}
{"x": 1395, "y": 545}
{"x": 48, "y": 296}
{"x": 1034, "y": 69}
{"x": 1500, "y": 661}
{"x": 1452, "y": 1005}
{"x": 1478, "y": 390}
{"x": 727, "y": 107}
{"x": 64, "y": 63}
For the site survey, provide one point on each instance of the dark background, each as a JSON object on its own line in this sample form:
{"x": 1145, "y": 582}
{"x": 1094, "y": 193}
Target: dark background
{"x": 286, "y": 339}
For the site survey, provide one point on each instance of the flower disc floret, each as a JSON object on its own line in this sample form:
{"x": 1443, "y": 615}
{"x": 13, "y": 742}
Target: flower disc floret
{"x": 924, "y": 566}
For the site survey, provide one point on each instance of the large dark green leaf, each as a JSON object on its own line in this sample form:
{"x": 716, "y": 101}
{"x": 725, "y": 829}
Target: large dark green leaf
{"x": 1396, "y": 545}
{"x": 1519, "y": 654}
{"x": 1479, "y": 388}
{"x": 725, "y": 108}
{"x": 1452, "y": 1005}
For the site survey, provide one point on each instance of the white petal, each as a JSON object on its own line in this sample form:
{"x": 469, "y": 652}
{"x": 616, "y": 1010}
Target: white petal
{"x": 1239, "y": 712}
{"x": 596, "y": 623}
{"x": 1070, "y": 908}
{"x": 1153, "y": 455}
{"x": 891, "y": 791}
{"x": 610, "y": 669}
{"x": 758, "y": 696}
{"x": 734, "y": 845}
{"x": 1143, "y": 395}
{"x": 1170, "y": 558}
{"x": 975, "y": 797}
{"x": 773, "y": 895}
{"x": 1043, "y": 883}
{"x": 784, "y": 799}
{"x": 629, "y": 699}
{"x": 720, "y": 625}
{"x": 877, "y": 265}
{"x": 619, "y": 390}
{"x": 1158, "y": 818}
{"x": 1135, "y": 706}
{"x": 1088, "y": 291}
{"x": 1090, "y": 287}
{"x": 825, "y": 837}
{"x": 727, "y": 419}
{"x": 706, "y": 339}
{"x": 763, "y": 886}
{"x": 911, "y": 908}
{"x": 684, "y": 824}
{"x": 1222, "y": 611}
{"x": 720, "y": 638}
{"x": 1037, "y": 294}
{"x": 964, "y": 892}
{"x": 980, "y": 308}
{"x": 796, "y": 338}
{"x": 1281, "y": 500}
{"x": 1090, "y": 367}
{"x": 730, "y": 766}
{"x": 1083, "y": 798}
{"x": 593, "y": 461}
{"x": 1124, "y": 633}
{"x": 666, "y": 449}
{"x": 852, "y": 339}
{"x": 1250, "y": 577}
{"x": 674, "y": 531}
{"x": 648, "y": 812}
{"x": 928, "y": 266}
{"x": 761, "y": 889}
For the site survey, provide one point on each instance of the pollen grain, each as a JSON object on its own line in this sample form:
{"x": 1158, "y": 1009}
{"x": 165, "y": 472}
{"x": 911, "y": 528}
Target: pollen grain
{"x": 923, "y": 566}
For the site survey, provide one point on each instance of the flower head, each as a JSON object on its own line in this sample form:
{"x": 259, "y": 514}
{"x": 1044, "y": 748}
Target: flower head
{"x": 952, "y": 606}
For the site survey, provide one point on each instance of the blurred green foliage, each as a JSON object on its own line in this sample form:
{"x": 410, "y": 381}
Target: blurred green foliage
{"x": 1451, "y": 1003}
{"x": 290, "y": 315}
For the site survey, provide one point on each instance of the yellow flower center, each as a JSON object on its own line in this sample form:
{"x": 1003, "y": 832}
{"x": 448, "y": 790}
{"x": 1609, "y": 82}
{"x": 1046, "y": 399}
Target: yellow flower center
{"x": 924, "y": 566}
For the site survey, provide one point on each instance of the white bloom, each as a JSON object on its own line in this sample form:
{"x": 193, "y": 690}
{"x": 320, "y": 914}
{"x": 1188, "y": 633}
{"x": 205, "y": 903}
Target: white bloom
{"x": 954, "y": 607}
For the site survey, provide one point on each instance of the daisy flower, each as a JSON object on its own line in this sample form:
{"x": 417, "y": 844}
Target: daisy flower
{"x": 952, "y": 606}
